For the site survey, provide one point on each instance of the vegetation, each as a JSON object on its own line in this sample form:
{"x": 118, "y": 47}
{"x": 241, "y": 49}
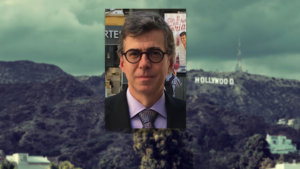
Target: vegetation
{"x": 279, "y": 159}
{"x": 41, "y": 120}
{"x": 162, "y": 149}
{"x": 296, "y": 124}
{"x": 129, "y": 162}
{"x": 63, "y": 165}
{"x": 110, "y": 164}
{"x": 256, "y": 149}
{"x": 8, "y": 165}
{"x": 268, "y": 163}
{"x": 212, "y": 137}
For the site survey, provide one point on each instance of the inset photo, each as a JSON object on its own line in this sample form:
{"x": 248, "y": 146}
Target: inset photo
{"x": 145, "y": 68}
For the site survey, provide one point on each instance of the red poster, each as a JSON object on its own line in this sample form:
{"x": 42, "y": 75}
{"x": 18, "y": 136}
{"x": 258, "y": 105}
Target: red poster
{"x": 177, "y": 23}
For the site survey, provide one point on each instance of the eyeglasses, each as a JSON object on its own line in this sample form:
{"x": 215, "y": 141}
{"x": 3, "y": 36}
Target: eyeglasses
{"x": 154, "y": 55}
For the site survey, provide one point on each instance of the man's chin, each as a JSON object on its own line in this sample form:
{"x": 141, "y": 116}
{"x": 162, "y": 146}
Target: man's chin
{"x": 147, "y": 90}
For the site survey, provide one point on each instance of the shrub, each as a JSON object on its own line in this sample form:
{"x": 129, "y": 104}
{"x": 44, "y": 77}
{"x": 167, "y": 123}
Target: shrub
{"x": 162, "y": 149}
{"x": 63, "y": 158}
{"x": 54, "y": 153}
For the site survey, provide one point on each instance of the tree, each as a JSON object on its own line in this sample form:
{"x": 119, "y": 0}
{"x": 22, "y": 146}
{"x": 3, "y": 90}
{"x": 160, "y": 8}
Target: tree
{"x": 63, "y": 165}
{"x": 256, "y": 149}
{"x": 289, "y": 157}
{"x": 268, "y": 163}
{"x": 296, "y": 123}
{"x": 208, "y": 138}
{"x": 254, "y": 124}
{"x": 233, "y": 160}
{"x": 225, "y": 140}
{"x": 243, "y": 163}
{"x": 162, "y": 149}
{"x": 281, "y": 159}
{"x": 8, "y": 165}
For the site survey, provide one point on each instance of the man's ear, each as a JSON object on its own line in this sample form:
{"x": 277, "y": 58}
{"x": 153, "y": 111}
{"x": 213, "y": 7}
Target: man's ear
{"x": 122, "y": 64}
{"x": 171, "y": 64}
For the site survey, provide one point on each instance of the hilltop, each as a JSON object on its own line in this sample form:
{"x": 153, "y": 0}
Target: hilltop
{"x": 269, "y": 97}
{"x": 28, "y": 72}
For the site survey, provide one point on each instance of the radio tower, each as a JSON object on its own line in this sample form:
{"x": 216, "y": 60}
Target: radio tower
{"x": 238, "y": 67}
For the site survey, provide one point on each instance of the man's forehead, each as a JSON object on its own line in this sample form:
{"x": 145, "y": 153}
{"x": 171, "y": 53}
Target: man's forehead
{"x": 136, "y": 36}
{"x": 130, "y": 41}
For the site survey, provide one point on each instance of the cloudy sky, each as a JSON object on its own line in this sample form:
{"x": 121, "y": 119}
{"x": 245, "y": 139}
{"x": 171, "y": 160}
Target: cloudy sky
{"x": 70, "y": 34}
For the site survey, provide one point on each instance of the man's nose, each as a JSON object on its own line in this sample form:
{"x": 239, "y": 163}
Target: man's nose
{"x": 144, "y": 62}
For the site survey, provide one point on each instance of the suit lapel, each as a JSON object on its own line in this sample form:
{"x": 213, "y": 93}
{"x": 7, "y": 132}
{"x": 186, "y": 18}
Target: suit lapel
{"x": 176, "y": 118}
{"x": 119, "y": 114}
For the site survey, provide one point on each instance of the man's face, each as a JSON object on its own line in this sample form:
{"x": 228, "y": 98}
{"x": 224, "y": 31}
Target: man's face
{"x": 146, "y": 77}
{"x": 183, "y": 39}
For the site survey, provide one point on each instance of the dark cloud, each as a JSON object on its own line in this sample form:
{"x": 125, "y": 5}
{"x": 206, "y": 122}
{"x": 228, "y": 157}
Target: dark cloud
{"x": 88, "y": 12}
{"x": 51, "y": 34}
{"x": 70, "y": 34}
{"x": 268, "y": 30}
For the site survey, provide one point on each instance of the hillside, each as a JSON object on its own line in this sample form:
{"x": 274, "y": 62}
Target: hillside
{"x": 28, "y": 72}
{"x": 250, "y": 94}
{"x": 95, "y": 83}
{"x": 63, "y": 119}
{"x": 31, "y": 72}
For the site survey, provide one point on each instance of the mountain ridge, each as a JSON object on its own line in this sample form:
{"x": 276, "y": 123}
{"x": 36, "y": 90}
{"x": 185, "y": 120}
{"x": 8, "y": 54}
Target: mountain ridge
{"x": 250, "y": 94}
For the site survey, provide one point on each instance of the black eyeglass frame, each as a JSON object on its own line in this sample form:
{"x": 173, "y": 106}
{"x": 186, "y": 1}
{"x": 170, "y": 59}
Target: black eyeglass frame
{"x": 141, "y": 54}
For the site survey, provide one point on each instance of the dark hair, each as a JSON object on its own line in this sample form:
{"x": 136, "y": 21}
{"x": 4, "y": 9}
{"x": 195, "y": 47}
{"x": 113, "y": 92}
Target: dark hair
{"x": 182, "y": 33}
{"x": 141, "y": 22}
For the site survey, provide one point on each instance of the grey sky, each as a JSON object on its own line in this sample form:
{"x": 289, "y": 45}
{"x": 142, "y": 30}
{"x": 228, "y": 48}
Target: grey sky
{"x": 70, "y": 34}
{"x": 269, "y": 33}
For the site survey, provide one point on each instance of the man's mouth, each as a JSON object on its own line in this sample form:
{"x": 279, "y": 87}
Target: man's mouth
{"x": 145, "y": 77}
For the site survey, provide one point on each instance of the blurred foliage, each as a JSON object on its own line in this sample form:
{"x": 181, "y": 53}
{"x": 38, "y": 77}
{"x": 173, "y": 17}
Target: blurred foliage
{"x": 296, "y": 124}
{"x": 211, "y": 138}
{"x": 268, "y": 163}
{"x": 118, "y": 162}
{"x": 256, "y": 149}
{"x": 8, "y": 165}
{"x": 63, "y": 165}
{"x": 162, "y": 149}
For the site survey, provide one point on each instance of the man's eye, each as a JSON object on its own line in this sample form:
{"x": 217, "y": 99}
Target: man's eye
{"x": 134, "y": 54}
{"x": 155, "y": 53}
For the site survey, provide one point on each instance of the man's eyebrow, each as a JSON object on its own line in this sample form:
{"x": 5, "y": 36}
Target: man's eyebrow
{"x": 152, "y": 48}
{"x": 135, "y": 49}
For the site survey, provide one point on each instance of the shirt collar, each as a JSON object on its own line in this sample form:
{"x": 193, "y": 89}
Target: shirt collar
{"x": 135, "y": 106}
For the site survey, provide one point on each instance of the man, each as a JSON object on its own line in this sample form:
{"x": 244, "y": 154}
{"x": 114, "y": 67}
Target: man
{"x": 171, "y": 82}
{"x": 181, "y": 53}
{"x": 146, "y": 50}
{"x": 183, "y": 39}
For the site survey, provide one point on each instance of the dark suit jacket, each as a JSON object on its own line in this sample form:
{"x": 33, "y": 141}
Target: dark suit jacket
{"x": 117, "y": 112}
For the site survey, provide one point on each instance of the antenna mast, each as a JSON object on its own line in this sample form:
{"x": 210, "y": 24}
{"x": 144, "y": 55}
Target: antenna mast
{"x": 238, "y": 67}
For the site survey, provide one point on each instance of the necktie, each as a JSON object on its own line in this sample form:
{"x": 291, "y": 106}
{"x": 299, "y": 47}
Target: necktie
{"x": 147, "y": 117}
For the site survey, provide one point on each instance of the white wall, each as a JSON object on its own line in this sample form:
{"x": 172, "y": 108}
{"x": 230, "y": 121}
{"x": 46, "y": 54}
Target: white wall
{"x": 287, "y": 166}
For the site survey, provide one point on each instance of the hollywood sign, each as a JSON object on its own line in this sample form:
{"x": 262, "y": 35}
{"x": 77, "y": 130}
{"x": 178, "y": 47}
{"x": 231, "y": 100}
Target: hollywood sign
{"x": 214, "y": 80}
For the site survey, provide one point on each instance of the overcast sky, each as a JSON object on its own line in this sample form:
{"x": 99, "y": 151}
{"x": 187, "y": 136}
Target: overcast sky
{"x": 70, "y": 34}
